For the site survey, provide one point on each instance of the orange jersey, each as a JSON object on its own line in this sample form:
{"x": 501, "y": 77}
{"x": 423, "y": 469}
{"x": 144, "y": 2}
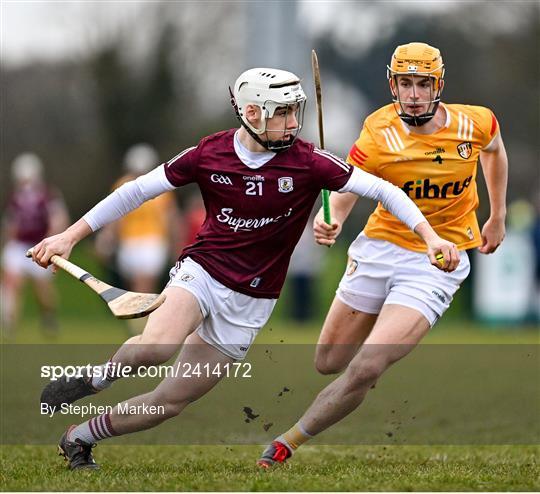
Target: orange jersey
{"x": 437, "y": 171}
{"x": 148, "y": 220}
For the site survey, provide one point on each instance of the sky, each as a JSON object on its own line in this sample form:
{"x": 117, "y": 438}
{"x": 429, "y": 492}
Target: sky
{"x": 33, "y": 30}
{"x": 49, "y": 30}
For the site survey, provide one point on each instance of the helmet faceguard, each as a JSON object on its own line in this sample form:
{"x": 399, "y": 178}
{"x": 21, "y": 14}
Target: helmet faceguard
{"x": 417, "y": 61}
{"x": 270, "y": 90}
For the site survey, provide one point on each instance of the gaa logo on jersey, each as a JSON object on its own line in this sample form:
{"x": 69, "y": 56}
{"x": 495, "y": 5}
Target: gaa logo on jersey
{"x": 285, "y": 184}
{"x": 465, "y": 150}
{"x": 220, "y": 179}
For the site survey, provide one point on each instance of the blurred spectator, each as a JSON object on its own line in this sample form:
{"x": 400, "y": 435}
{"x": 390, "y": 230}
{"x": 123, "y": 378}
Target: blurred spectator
{"x": 142, "y": 242}
{"x": 303, "y": 270}
{"x": 193, "y": 219}
{"x": 34, "y": 211}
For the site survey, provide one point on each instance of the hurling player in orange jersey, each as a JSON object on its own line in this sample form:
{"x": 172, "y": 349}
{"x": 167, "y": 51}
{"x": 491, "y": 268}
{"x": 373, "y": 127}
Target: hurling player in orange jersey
{"x": 390, "y": 295}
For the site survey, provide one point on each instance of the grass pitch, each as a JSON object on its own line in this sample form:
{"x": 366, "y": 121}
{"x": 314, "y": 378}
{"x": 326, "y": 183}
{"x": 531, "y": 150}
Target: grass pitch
{"x": 314, "y": 468}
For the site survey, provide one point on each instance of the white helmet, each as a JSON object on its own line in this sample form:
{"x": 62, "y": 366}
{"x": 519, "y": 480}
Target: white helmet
{"x": 27, "y": 167}
{"x": 268, "y": 89}
{"x": 140, "y": 158}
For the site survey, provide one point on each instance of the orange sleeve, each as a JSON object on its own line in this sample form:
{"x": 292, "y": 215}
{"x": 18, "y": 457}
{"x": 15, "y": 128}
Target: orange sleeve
{"x": 489, "y": 126}
{"x": 364, "y": 153}
{"x": 168, "y": 199}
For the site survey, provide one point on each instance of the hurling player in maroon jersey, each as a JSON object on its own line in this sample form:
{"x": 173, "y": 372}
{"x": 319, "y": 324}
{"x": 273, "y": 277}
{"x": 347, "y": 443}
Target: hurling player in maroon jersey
{"x": 33, "y": 211}
{"x": 259, "y": 183}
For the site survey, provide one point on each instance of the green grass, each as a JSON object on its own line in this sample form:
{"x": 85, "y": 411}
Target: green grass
{"x": 392, "y": 467}
{"x": 103, "y": 328}
{"x": 222, "y": 468}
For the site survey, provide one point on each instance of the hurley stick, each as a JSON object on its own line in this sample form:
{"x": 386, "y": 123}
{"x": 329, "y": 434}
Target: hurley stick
{"x": 123, "y": 304}
{"x": 318, "y": 94}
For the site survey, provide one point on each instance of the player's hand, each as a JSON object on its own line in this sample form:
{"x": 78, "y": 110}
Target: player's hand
{"x": 492, "y": 235}
{"x": 60, "y": 245}
{"x": 324, "y": 233}
{"x": 450, "y": 255}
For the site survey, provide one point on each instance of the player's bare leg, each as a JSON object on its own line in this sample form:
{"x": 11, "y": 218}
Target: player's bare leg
{"x": 46, "y": 297}
{"x": 344, "y": 330}
{"x": 396, "y": 333}
{"x": 176, "y": 392}
{"x": 11, "y": 293}
{"x": 169, "y": 398}
{"x": 167, "y": 328}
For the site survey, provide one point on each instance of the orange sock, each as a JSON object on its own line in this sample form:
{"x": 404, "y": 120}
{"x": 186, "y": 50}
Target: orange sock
{"x": 295, "y": 436}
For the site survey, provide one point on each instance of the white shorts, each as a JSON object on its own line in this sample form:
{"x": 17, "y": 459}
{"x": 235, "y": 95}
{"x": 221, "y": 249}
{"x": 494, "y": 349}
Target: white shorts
{"x": 143, "y": 256}
{"x": 232, "y": 320}
{"x": 14, "y": 261}
{"x": 380, "y": 272}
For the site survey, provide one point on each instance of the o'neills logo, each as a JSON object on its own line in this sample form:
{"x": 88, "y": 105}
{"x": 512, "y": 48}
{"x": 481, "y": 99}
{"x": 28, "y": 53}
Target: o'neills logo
{"x": 247, "y": 224}
{"x": 424, "y": 189}
{"x": 439, "y": 150}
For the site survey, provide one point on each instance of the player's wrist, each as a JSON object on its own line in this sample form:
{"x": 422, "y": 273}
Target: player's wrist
{"x": 426, "y": 232}
{"x": 76, "y": 232}
{"x": 340, "y": 214}
{"x": 499, "y": 216}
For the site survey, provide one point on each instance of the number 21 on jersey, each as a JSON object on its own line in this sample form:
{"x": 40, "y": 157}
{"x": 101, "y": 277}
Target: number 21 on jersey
{"x": 254, "y": 188}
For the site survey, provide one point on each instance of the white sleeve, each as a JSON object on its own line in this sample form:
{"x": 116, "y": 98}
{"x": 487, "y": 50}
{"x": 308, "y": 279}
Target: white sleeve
{"x": 393, "y": 198}
{"x": 128, "y": 197}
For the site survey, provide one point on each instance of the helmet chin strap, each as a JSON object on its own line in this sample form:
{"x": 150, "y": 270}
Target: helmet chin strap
{"x": 264, "y": 144}
{"x": 273, "y": 146}
{"x": 419, "y": 120}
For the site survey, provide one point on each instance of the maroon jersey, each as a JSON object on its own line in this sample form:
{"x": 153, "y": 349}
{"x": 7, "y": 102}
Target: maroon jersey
{"x": 28, "y": 212}
{"x": 254, "y": 218}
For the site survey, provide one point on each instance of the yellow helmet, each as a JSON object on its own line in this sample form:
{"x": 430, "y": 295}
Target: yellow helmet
{"x": 417, "y": 59}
